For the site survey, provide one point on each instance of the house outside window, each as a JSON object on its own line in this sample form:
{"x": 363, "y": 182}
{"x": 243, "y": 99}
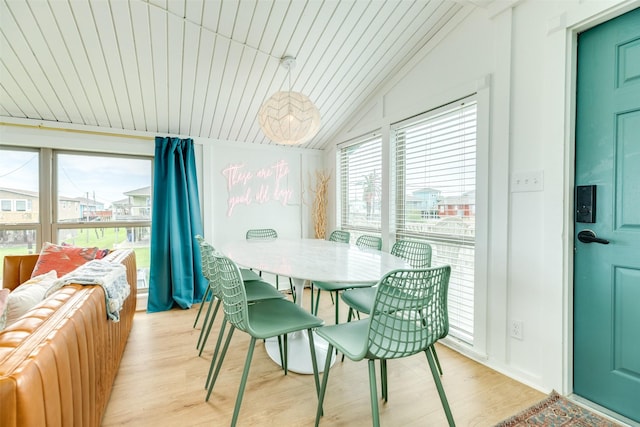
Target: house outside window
{"x": 361, "y": 186}
{"x": 84, "y": 202}
{"x": 435, "y": 190}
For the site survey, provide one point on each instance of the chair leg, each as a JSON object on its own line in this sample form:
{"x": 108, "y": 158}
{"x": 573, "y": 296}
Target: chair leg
{"x": 349, "y": 317}
{"x": 216, "y": 350}
{"x": 435, "y": 357}
{"x": 323, "y": 387}
{"x": 293, "y": 292}
{"x": 209, "y": 323}
{"x": 443, "y": 396}
{"x": 204, "y": 300}
{"x": 315, "y": 310}
{"x": 314, "y": 361}
{"x": 205, "y": 322}
{"x": 351, "y": 312}
{"x": 383, "y": 379}
{"x": 219, "y": 364}
{"x": 285, "y": 346}
{"x": 312, "y": 305}
{"x": 280, "y": 350}
{"x": 243, "y": 382}
{"x": 374, "y": 393}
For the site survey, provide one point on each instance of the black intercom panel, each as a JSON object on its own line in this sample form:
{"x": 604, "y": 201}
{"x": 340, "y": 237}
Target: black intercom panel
{"x": 586, "y": 203}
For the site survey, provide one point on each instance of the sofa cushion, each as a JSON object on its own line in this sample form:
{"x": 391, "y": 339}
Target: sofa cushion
{"x": 4, "y": 296}
{"x": 28, "y": 295}
{"x": 62, "y": 258}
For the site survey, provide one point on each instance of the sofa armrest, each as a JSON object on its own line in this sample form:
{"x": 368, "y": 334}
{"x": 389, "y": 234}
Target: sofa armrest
{"x": 126, "y": 257}
{"x": 17, "y": 269}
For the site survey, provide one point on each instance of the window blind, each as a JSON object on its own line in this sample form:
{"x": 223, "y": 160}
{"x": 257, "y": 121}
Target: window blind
{"x": 361, "y": 185}
{"x": 435, "y": 174}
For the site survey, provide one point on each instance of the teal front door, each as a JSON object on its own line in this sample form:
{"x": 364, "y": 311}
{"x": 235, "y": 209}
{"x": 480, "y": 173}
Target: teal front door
{"x": 606, "y": 347}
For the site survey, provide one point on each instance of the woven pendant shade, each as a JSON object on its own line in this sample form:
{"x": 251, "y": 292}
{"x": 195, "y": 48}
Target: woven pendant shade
{"x": 289, "y": 118}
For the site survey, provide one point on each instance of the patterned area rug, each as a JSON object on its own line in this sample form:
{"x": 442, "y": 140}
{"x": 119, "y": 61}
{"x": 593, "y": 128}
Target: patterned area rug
{"x": 556, "y": 411}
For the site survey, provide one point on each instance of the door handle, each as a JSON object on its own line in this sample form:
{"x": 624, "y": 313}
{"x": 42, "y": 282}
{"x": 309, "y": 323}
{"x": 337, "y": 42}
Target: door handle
{"x": 588, "y": 236}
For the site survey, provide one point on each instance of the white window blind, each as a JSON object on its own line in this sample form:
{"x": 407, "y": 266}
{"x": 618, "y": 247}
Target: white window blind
{"x": 361, "y": 186}
{"x": 435, "y": 161}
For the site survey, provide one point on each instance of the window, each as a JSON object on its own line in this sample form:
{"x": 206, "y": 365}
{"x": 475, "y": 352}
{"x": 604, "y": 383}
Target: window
{"x": 99, "y": 200}
{"x": 361, "y": 186}
{"x": 435, "y": 188}
{"x": 19, "y": 189}
{"x": 22, "y": 205}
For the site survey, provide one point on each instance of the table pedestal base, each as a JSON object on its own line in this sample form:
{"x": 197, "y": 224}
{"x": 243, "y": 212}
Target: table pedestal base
{"x": 298, "y": 354}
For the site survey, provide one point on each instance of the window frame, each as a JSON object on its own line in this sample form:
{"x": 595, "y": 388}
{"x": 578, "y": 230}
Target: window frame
{"x": 442, "y": 241}
{"x": 48, "y": 227}
{"x": 346, "y": 221}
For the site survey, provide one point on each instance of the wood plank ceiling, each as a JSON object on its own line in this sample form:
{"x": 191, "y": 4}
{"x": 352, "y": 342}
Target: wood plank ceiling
{"x": 202, "y": 68}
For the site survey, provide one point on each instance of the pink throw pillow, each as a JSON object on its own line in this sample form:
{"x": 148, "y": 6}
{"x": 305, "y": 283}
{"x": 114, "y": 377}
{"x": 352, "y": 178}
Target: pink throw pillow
{"x": 62, "y": 258}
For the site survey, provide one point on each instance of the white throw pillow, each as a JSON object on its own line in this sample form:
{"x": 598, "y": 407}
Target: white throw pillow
{"x": 26, "y": 296}
{"x": 4, "y": 297}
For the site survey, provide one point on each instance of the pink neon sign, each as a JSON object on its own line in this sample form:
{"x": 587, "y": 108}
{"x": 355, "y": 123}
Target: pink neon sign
{"x": 246, "y": 186}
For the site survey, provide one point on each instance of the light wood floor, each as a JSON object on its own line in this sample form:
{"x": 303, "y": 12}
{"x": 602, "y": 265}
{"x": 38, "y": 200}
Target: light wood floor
{"x": 161, "y": 383}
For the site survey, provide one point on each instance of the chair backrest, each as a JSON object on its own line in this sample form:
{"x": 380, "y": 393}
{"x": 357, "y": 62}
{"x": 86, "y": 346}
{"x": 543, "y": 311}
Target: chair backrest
{"x": 418, "y": 254}
{"x": 409, "y": 312}
{"x": 232, "y": 292}
{"x": 368, "y": 241}
{"x": 261, "y": 233}
{"x": 339, "y": 236}
{"x": 208, "y": 264}
{"x": 206, "y": 252}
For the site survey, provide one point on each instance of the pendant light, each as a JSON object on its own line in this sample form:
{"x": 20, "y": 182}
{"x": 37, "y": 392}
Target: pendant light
{"x": 289, "y": 117}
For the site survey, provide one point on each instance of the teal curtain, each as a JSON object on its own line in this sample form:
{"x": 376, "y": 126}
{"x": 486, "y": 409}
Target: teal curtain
{"x": 176, "y": 275}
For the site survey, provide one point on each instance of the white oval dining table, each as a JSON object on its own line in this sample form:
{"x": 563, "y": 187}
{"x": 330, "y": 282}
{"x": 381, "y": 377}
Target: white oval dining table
{"x": 313, "y": 260}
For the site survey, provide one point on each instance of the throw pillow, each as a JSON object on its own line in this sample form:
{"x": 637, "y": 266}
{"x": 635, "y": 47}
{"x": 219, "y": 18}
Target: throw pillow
{"x": 62, "y": 258}
{"x": 26, "y": 296}
{"x": 4, "y": 296}
{"x": 100, "y": 253}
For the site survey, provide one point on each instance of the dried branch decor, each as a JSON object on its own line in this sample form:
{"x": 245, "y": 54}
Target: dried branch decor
{"x": 319, "y": 210}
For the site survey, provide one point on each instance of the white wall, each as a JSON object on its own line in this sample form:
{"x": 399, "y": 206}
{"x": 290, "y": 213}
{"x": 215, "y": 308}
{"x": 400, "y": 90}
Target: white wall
{"x": 264, "y": 187}
{"x": 520, "y": 59}
{"x": 282, "y": 204}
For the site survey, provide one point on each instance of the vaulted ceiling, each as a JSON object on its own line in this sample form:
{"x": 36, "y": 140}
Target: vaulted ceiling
{"x": 202, "y": 68}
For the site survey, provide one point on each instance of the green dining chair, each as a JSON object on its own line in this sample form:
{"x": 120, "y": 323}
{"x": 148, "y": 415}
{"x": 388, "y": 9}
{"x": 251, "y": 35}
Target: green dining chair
{"x": 256, "y": 290}
{"x": 409, "y": 314}
{"x": 360, "y": 300}
{"x": 364, "y": 241}
{"x": 417, "y": 254}
{"x": 247, "y": 275}
{"x": 267, "y": 319}
{"x": 268, "y": 234}
{"x": 339, "y": 236}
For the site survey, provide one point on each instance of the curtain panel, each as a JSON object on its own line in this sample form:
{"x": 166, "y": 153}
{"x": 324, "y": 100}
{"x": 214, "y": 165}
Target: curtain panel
{"x": 175, "y": 270}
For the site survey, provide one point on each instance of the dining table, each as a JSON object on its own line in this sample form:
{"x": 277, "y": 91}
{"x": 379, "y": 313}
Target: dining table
{"x": 305, "y": 260}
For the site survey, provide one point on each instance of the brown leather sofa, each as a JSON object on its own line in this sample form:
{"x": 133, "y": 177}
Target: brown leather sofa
{"x": 59, "y": 361}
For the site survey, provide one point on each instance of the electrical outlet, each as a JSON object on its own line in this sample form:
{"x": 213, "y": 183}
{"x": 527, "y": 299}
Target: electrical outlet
{"x": 516, "y": 329}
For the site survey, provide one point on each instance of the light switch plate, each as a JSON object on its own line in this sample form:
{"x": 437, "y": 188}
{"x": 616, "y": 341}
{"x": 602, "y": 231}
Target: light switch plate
{"x": 527, "y": 181}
